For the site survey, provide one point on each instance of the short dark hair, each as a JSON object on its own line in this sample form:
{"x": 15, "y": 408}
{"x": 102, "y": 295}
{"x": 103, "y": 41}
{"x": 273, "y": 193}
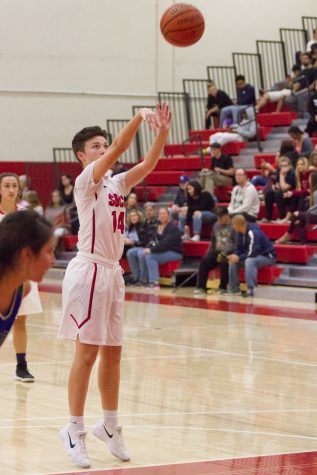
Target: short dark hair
{"x": 240, "y": 77}
{"x": 295, "y": 67}
{"x": 294, "y": 130}
{"x": 222, "y": 211}
{"x": 79, "y": 140}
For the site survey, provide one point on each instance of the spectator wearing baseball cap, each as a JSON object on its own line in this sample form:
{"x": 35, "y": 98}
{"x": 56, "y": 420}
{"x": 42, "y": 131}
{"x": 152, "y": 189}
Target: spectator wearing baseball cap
{"x": 179, "y": 204}
{"x": 221, "y": 172}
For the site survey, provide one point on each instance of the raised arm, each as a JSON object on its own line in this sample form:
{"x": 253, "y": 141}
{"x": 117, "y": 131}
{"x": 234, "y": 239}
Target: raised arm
{"x": 122, "y": 141}
{"x": 162, "y": 123}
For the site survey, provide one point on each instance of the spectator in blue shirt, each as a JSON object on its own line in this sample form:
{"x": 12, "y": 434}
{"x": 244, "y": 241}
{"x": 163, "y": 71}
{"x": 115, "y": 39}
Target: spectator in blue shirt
{"x": 245, "y": 98}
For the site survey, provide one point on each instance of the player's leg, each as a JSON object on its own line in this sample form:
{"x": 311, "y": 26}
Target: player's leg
{"x": 20, "y": 344}
{"x": 108, "y": 429}
{"x": 73, "y": 434}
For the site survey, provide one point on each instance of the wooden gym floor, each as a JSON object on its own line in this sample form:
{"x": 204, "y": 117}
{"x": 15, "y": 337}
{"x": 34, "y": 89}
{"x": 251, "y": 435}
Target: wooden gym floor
{"x": 209, "y": 386}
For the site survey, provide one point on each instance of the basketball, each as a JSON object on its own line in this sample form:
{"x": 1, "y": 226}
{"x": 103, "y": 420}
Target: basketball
{"x": 182, "y": 24}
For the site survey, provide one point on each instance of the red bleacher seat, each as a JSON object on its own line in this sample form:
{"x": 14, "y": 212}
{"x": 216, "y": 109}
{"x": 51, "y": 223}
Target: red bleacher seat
{"x": 276, "y": 118}
{"x": 165, "y": 178}
{"x": 232, "y": 148}
{"x": 261, "y": 213}
{"x": 223, "y": 194}
{"x": 296, "y": 254}
{"x": 314, "y": 140}
{"x": 204, "y": 134}
{"x": 181, "y": 163}
{"x": 266, "y": 157}
{"x": 149, "y": 193}
{"x": 267, "y": 275}
{"x": 276, "y": 230}
{"x": 69, "y": 241}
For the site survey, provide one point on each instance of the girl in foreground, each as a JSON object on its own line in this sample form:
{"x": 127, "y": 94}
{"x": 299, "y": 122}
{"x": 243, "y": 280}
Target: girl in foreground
{"x": 26, "y": 253}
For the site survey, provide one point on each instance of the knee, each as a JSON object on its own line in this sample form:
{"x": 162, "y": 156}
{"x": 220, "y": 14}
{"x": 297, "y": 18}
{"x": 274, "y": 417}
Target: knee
{"x": 88, "y": 358}
{"x": 197, "y": 214}
{"x": 249, "y": 263}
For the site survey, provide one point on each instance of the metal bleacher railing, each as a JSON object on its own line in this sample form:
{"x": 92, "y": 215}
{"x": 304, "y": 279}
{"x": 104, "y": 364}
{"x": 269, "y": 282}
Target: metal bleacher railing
{"x": 179, "y": 104}
{"x": 273, "y": 61}
{"x": 249, "y": 64}
{"x": 197, "y": 93}
{"x": 224, "y": 78}
{"x": 294, "y": 40}
{"x": 309, "y": 24}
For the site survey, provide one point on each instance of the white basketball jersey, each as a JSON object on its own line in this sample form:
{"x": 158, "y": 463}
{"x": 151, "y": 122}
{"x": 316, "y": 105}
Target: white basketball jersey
{"x": 101, "y": 213}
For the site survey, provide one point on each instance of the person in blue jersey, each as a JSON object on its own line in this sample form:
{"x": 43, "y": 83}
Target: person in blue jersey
{"x": 26, "y": 253}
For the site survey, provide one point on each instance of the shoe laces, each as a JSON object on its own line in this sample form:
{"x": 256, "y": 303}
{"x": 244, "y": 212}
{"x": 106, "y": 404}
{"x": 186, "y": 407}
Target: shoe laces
{"x": 82, "y": 442}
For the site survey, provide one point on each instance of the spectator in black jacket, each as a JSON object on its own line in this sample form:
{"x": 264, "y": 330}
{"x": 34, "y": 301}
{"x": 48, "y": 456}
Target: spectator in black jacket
{"x": 283, "y": 182}
{"x": 200, "y": 205}
{"x": 312, "y": 108}
{"x": 146, "y": 234}
{"x": 217, "y": 100}
{"x": 221, "y": 172}
{"x": 165, "y": 248}
{"x": 303, "y": 145}
{"x": 245, "y": 98}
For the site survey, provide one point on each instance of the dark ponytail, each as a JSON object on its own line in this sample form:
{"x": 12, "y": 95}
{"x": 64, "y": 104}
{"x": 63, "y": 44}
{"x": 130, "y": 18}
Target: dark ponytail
{"x": 18, "y": 230}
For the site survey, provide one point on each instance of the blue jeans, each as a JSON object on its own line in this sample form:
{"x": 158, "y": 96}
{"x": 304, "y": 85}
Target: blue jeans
{"x": 136, "y": 259}
{"x": 153, "y": 260}
{"x": 259, "y": 180}
{"x": 230, "y": 111}
{"x": 251, "y": 264}
{"x": 206, "y": 217}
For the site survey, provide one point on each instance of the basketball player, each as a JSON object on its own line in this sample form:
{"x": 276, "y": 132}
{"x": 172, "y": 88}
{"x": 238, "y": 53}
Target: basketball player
{"x": 9, "y": 195}
{"x": 26, "y": 252}
{"x": 93, "y": 287}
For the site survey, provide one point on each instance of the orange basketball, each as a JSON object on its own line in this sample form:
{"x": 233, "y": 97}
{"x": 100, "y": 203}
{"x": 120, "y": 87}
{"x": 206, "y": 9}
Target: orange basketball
{"x": 182, "y": 24}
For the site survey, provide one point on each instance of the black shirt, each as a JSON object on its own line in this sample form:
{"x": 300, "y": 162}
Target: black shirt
{"x": 221, "y": 100}
{"x": 224, "y": 161}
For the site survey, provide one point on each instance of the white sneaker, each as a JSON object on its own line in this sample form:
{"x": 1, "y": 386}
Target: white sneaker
{"x": 185, "y": 237}
{"x": 195, "y": 238}
{"x": 113, "y": 439}
{"x": 75, "y": 445}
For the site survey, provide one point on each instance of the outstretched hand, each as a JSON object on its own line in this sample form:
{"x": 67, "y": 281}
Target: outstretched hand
{"x": 160, "y": 119}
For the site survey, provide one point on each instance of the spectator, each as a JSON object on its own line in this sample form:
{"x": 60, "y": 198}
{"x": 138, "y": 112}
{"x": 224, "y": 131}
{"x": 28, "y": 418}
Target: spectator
{"x": 166, "y": 247}
{"x": 132, "y": 230}
{"x": 56, "y": 214}
{"x": 313, "y": 161}
{"x": 245, "y": 98}
{"x": 132, "y": 202}
{"x": 222, "y": 243}
{"x": 313, "y": 41}
{"x": 284, "y": 181}
{"x": 66, "y": 188}
{"x": 300, "y": 219}
{"x": 277, "y": 96}
{"x": 287, "y": 149}
{"x": 297, "y": 101}
{"x": 147, "y": 234}
{"x": 253, "y": 250}
{"x": 311, "y": 128}
{"x": 245, "y": 130}
{"x": 303, "y": 145}
{"x": 33, "y": 200}
{"x": 217, "y": 99}
{"x": 221, "y": 172}
{"x": 263, "y": 179}
{"x": 200, "y": 205}
{"x": 244, "y": 198}
{"x": 24, "y": 182}
{"x": 179, "y": 205}
{"x": 117, "y": 168}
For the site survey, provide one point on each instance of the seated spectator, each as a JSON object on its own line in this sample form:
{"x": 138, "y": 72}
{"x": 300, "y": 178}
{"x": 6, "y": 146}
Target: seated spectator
{"x": 66, "y": 188}
{"x": 253, "y": 250}
{"x": 200, "y": 205}
{"x": 222, "y": 243}
{"x": 33, "y": 202}
{"x": 117, "y": 168}
{"x": 24, "y": 182}
{"x": 312, "y": 166}
{"x": 135, "y": 255}
{"x": 313, "y": 41}
{"x": 303, "y": 145}
{"x": 263, "y": 179}
{"x": 298, "y": 197}
{"x": 244, "y": 198}
{"x": 131, "y": 203}
{"x": 300, "y": 219}
{"x": 166, "y": 247}
{"x": 221, "y": 172}
{"x": 282, "y": 182}
{"x": 245, "y": 130}
{"x": 217, "y": 99}
{"x": 297, "y": 101}
{"x": 311, "y": 127}
{"x": 245, "y": 98}
{"x": 56, "y": 214}
{"x": 180, "y": 201}
{"x": 277, "y": 96}
{"x": 287, "y": 149}
{"x": 132, "y": 230}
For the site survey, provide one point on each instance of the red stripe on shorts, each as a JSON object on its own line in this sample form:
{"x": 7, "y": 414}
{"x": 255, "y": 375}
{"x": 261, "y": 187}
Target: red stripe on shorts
{"x": 92, "y": 289}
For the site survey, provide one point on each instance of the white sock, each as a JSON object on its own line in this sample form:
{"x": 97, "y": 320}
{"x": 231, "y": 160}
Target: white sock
{"x": 77, "y": 423}
{"x": 110, "y": 418}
